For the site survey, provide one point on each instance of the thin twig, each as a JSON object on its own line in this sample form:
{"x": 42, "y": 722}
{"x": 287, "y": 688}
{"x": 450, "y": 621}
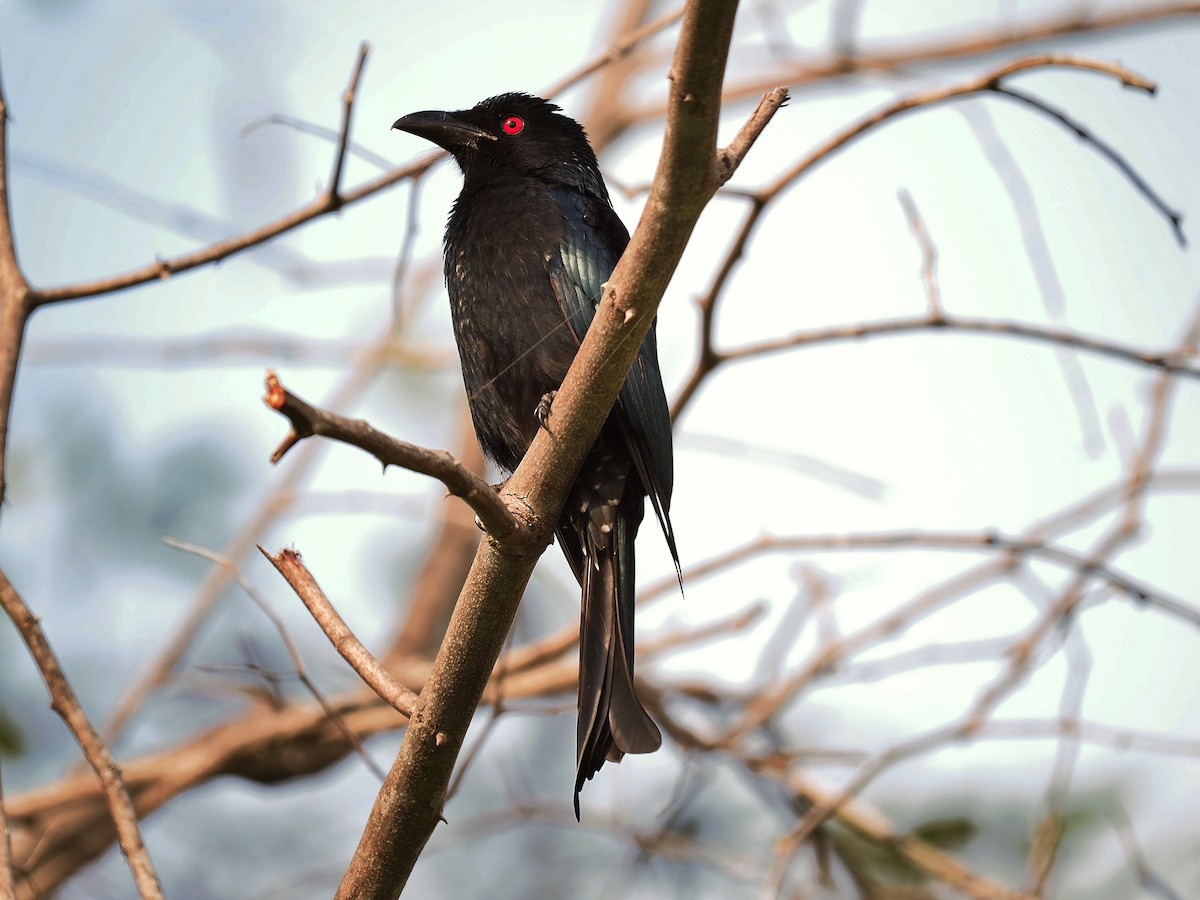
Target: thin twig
{"x": 408, "y": 244}
{"x": 328, "y": 134}
{"x": 1047, "y": 841}
{"x": 335, "y": 180}
{"x": 1174, "y": 217}
{"x": 928, "y": 257}
{"x": 1041, "y": 262}
{"x": 1022, "y": 652}
{"x": 1149, "y": 880}
{"x": 987, "y": 542}
{"x": 730, "y": 157}
{"x": 616, "y": 52}
{"x": 819, "y": 73}
{"x": 297, "y": 663}
{"x": 874, "y": 826}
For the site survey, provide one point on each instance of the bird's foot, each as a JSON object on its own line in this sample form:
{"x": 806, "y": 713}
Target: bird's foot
{"x": 542, "y": 413}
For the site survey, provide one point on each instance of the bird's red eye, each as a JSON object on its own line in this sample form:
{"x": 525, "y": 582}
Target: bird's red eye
{"x": 513, "y": 125}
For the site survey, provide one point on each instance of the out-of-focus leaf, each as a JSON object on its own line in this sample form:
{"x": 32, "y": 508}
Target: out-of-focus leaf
{"x": 949, "y": 833}
{"x": 12, "y": 741}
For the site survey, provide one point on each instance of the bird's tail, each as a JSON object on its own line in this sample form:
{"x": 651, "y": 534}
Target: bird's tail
{"x": 605, "y": 513}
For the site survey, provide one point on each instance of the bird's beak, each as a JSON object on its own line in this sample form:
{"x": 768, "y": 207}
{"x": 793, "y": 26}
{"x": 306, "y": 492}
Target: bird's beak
{"x": 443, "y": 128}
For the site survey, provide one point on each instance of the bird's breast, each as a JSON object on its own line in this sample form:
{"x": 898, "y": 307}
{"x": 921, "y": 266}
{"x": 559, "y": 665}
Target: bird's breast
{"x": 514, "y": 342}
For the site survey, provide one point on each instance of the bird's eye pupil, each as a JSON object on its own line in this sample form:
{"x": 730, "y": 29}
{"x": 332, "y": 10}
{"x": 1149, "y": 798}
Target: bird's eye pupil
{"x": 513, "y": 125}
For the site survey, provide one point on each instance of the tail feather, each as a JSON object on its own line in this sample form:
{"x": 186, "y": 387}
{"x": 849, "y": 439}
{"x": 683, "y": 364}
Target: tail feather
{"x": 632, "y": 728}
{"x": 604, "y": 518}
{"x": 595, "y": 674}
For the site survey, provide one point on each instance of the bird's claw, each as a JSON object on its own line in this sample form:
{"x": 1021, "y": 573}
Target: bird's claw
{"x": 542, "y": 413}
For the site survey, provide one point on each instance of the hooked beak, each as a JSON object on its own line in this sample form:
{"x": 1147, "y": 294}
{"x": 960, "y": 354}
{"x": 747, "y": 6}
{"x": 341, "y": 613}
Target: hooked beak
{"x": 442, "y": 128}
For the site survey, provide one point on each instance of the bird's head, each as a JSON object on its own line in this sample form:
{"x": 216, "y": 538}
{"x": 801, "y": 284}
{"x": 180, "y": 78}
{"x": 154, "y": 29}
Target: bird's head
{"x": 509, "y": 134}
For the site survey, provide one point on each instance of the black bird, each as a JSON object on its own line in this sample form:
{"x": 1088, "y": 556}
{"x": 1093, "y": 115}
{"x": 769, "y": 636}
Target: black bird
{"x": 529, "y": 244}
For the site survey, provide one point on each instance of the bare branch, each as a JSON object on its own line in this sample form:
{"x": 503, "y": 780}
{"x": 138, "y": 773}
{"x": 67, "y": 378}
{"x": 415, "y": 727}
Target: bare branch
{"x": 335, "y": 180}
{"x": 1174, "y": 217}
{"x": 729, "y": 158}
{"x": 1096, "y": 733}
{"x": 873, "y": 825}
{"x": 1042, "y": 266}
{"x": 818, "y": 72}
{"x": 1022, "y": 653}
{"x": 329, "y": 202}
{"x": 928, "y": 257}
{"x": 312, "y": 128}
{"x": 308, "y": 420}
{"x": 616, "y": 52}
{"x": 760, "y": 200}
{"x": 369, "y": 669}
{"x": 1171, "y": 362}
{"x": 985, "y": 542}
{"x": 294, "y": 652}
{"x": 281, "y": 498}
{"x": 64, "y": 702}
{"x": 991, "y": 81}
{"x": 1152, "y": 883}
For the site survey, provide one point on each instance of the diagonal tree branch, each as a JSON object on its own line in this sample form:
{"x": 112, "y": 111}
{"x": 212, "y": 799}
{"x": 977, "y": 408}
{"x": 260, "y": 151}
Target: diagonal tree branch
{"x": 66, "y": 704}
{"x": 409, "y": 806}
{"x": 331, "y": 200}
{"x": 335, "y": 180}
{"x": 389, "y": 688}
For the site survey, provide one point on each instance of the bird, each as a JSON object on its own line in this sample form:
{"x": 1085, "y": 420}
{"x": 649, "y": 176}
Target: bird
{"x": 529, "y": 243}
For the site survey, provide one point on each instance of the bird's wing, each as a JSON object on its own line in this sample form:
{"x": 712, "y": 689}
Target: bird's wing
{"x": 594, "y": 240}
